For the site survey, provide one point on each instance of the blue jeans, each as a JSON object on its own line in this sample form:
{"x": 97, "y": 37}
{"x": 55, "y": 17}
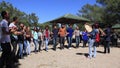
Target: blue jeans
{"x": 46, "y": 43}
{"x": 40, "y": 43}
{"x": 77, "y": 38}
{"x": 28, "y": 47}
{"x": 90, "y": 44}
{"x": 36, "y": 44}
{"x": 69, "y": 42}
{"x": 54, "y": 42}
{"x": 20, "y": 49}
{"x": 25, "y": 47}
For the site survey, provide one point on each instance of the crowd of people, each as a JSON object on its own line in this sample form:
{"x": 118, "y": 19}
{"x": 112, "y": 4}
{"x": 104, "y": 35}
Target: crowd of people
{"x": 21, "y": 36}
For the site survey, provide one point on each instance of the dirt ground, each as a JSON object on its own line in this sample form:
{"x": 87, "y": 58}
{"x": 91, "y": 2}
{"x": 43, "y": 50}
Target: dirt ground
{"x": 73, "y": 58}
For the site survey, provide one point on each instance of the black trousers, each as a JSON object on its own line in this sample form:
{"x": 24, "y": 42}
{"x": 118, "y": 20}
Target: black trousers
{"x": 14, "y": 55}
{"x": 40, "y": 42}
{"x": 106, "y": 46}
{"x": 84, "y": 43}
{"x": 114, "y": 42}
{"x": 6, "y": 55}
{"x": 54, "y": 42}
{"x": 96, "y": 44}
{"x": 62, "y": 41}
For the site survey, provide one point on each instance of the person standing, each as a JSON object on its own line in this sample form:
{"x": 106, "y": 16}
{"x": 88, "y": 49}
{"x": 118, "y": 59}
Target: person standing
{"x": 107, "y": 39}
{"x": 35, "y": 39}
{"x": 70, "y": 34}
{"x": 20, "y": 41}
{"x": 85, "y": 38}
{"x": 91, "y": 41}
{"x": 77, "y": 36}
{"x": 81, "y": 36}
{"x": 5, "y": 41}
{"x": 46, "y": 37}
{"x": 13, "y": 36}
{"x": 25, "y": 42}
{"x": 55, "y": 37}
{"x": 62, "y": 32}
{"x": 114, "y": 38}
{"x": 28, "y": 40}
{"x": 97, "y": 39}
{"x": 40, "y": 39}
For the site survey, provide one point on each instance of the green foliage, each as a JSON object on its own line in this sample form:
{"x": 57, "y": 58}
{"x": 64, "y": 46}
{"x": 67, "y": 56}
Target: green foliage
{"x": 106, "y": 11}
{"x": 26, "y": 19}
{"x": 92, "y": 12}
{"x": 33, "y": 19}
{"x": 111, "y": 10}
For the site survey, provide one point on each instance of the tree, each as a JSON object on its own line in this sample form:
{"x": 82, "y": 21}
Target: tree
{"x": 111, "y": 10}
{"x": 33, "y": 19}
{"x": 26, "y": 19}
{"x": 92, "y": 12}
{"x": 106, "y": 11}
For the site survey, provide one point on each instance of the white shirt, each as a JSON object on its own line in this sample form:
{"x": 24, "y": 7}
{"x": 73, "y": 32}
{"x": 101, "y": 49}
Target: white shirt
{"x": 77, "y": 33}
{"x": 80, "y": 32}
{"x": 5, "y": 37}
{"x": 39, "y": 33}
{"x": 13, "y": 25}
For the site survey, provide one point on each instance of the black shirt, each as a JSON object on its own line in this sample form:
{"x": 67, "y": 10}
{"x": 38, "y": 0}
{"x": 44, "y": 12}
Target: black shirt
{"x": 20, "y": 37}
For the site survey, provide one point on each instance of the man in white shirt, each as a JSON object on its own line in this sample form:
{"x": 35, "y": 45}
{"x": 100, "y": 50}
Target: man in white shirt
{"x": 5, "y": 41}
{"x": 14, "y": 37}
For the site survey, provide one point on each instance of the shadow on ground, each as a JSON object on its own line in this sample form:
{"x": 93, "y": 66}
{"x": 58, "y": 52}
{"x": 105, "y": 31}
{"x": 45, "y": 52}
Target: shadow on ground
{"x": 85, "y": 54}
{"x": 100, "y": 52}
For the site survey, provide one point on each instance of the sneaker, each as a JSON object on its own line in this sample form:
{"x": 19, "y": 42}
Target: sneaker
{"x": 104, "y": 52}
{"x": 69, "y": 48}
{"x": 89, "y": 57}
{"x": 94, "y": 56}
{"x": 46, "y": 50}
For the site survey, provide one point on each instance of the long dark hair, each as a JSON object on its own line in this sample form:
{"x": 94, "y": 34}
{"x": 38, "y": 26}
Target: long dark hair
{"x": 3, "y": 13}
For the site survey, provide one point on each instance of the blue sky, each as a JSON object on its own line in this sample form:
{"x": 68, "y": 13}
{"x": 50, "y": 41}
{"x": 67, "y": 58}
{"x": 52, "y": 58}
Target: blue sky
{"x": 47, "y": 10}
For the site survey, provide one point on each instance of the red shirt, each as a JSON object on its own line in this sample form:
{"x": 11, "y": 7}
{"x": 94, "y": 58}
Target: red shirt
{"x": 46, "y": 33}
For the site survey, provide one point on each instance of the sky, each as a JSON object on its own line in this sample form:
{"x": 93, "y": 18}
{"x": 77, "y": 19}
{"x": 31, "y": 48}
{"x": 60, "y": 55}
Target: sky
{"x": 47, "y": 10}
